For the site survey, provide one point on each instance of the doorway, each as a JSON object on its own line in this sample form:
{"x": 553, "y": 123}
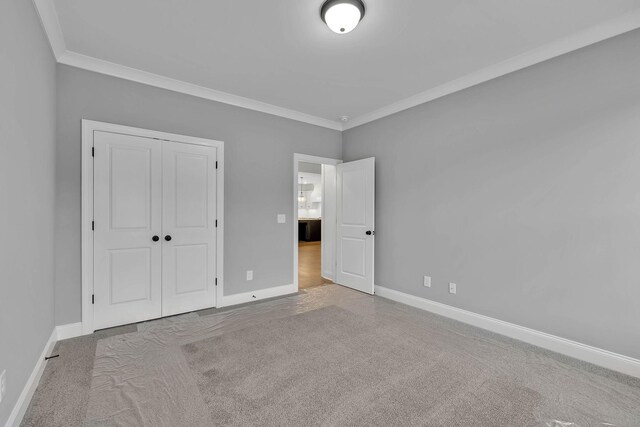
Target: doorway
{"x": 311, "y": 213}
{"x": 314, "y": 221}
{"x": 343, "y": 209}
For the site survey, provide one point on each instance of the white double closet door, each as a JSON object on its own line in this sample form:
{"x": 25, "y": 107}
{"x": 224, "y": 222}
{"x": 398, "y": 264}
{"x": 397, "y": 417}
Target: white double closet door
{"x": 155, "y": 228}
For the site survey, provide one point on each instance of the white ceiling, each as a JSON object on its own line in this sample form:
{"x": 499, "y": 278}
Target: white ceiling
{"x": 279, "y": 52}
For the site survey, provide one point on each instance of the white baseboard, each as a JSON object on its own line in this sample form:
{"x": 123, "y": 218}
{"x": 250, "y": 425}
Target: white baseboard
{"x": 607, "y": 359}
{"x": 70, "y": 330}
{"x": 20, "y": 408}
{"x": 276, "y": 291}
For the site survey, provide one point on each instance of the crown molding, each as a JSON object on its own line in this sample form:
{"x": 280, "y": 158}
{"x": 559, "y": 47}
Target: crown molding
{"x": 49, "y": 17}
{"x": 606, "y": 30}
{"x": 116, "y": 70}
{"x": 51, "y": 25}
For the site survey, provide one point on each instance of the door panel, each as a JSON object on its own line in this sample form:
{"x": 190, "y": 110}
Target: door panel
{"x": 189, "y": 217}
{"x": 191, "y": 268}
{"x": 127, "y": 206}
{"x": 356, "y": 209}
{"x": 191, "y": 186}
{"x": 130, "y": 185}
{"x": 130, "y": 278}
{"x": 353, "y": 256}
{"x": 354, "y": 190}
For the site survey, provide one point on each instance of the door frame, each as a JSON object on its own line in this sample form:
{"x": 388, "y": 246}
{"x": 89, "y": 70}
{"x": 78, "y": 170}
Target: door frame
{"x": 88, "y": 129}
{"x": 297, "y": 158}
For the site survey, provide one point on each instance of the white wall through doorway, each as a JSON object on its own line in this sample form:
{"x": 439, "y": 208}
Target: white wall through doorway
{"x": 310, "y": 193}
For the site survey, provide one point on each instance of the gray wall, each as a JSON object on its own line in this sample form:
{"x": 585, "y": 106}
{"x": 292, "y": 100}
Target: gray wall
{"x": 27, "y": 173}
{"x": 525, "y": 191}
{"x": 258, "y": 172}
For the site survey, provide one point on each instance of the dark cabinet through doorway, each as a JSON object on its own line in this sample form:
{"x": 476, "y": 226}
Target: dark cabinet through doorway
{"x": 309, "y": 230}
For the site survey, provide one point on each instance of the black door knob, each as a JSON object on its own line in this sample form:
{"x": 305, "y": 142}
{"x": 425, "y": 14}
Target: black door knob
{"x": 155, "y": 238}
{"x": 167, "y": 238}
{"x": 369, "y": 232}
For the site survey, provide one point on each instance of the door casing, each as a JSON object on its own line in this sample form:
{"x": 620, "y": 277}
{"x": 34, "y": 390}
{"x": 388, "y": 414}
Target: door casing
{"x": 88, "y": 129}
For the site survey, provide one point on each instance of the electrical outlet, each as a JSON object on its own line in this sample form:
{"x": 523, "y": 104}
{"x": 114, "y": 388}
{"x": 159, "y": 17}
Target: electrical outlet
{"x": 427, "y": 281}
{"x": 249, "y": 274}
{"x": 3, "y": 384}
{"x": 452, "y": 288}
{"x": 282, "y": 218}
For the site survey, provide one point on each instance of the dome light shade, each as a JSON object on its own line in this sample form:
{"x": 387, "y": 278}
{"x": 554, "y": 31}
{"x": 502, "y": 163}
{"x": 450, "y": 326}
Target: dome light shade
{"x": 342, "y": 16}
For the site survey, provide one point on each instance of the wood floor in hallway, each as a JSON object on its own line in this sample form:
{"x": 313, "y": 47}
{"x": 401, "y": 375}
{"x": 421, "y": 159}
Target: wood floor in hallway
{"x": 309, "y": 265}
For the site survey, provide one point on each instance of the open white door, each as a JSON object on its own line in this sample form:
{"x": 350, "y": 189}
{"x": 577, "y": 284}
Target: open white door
{"x": 356, "y": 209}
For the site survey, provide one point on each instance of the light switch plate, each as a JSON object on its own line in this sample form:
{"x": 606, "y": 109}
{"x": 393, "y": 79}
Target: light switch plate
{"x": 452, "y": 288}
{"x": 249, "y": 274}
{"x": 427, "y": 281}
{"x": 282, "y": 218}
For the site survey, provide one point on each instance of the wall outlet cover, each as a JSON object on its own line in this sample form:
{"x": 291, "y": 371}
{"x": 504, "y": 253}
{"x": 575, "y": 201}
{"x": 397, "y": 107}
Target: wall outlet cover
{"x": 427, "y": 281}
{"x": 282, "y": 218}
{"x": 452, "y": 288}
{"x": 249, "y": 274}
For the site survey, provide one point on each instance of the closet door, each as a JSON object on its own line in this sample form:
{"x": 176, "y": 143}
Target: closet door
{"x": 127, "y": 214}
{"x": 189, "y": 227}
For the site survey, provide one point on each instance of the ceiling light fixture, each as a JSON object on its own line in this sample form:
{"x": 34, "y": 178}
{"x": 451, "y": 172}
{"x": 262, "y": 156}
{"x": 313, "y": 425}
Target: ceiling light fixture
{"x": 342, "y": 16}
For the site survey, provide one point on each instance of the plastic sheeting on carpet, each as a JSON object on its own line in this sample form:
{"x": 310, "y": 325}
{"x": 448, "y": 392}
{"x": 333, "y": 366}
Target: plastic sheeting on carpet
{"x": 143, "y": 378}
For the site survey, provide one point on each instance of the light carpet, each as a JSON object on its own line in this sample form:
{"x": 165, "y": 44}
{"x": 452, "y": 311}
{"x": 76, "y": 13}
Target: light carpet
{"x": 328, "y": 356}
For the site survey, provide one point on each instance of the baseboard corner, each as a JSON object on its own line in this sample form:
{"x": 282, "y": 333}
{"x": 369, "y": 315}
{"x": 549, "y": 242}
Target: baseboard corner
{"x": 70, "y": 330}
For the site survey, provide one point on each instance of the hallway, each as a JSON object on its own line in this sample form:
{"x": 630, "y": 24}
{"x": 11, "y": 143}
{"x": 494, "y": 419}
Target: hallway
{"x": 309, "y": 265}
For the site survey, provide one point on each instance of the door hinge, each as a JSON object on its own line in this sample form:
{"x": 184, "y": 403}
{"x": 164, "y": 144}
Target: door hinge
{"x": 93, "y": 225}
{"x": 216, "y": 223}
{"x": 216, "y": 164}
{"x": 93, "y": 298}
{"x": 93, "y": 152}
{"x": 216, "y": 281}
